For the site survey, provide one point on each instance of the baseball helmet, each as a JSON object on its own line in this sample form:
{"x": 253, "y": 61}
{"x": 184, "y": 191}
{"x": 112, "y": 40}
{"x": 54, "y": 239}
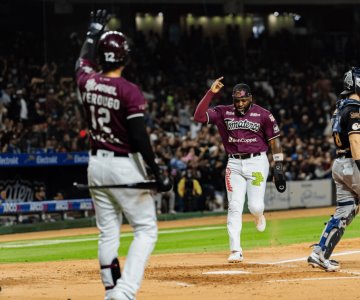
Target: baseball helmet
{"x": 241, "y": 90}
{"x": 351, "y": 82}
{"x": 113, "y": 50}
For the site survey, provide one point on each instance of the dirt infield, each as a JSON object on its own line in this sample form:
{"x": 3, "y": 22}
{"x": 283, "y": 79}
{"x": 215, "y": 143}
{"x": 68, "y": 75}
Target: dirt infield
{"x": 266, "y": 273}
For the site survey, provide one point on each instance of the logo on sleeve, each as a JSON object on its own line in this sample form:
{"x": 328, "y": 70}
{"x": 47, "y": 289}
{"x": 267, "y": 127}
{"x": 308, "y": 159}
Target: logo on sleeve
{"x": 271, "y": 117}
{"x": 276, "y": 128}
{"x": 355, "y": 115}
{"x": 355, "y": 126}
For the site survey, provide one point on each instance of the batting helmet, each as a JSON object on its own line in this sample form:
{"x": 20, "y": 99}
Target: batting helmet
{"x": 351, "y": 82}
{"x": 113, "y": 50}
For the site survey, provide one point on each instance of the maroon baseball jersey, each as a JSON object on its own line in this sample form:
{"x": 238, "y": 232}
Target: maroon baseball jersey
{"x": 108, "y": 103}
{"x": 249, "y": 133}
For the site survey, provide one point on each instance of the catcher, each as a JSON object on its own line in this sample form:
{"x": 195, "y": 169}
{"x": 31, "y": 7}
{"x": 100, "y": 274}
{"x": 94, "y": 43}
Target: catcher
{"x": 345, "y": 171}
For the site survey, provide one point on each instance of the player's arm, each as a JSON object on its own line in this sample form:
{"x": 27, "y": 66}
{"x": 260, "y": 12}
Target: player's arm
{"x": 353, "y": 129}
{"x": 96, "y": 28}
{"x": 354, "y": 140}
{"x": 202, "y": 107}
{"x": 278, "y": 157}
{"x": 139, "y": 139}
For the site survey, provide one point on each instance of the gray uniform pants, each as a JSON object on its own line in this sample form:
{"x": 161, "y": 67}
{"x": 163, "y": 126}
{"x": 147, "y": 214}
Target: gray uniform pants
{"x": 346, "y": 176}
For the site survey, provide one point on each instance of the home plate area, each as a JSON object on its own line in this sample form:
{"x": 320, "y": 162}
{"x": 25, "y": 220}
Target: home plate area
{"x": 291, "y": 270}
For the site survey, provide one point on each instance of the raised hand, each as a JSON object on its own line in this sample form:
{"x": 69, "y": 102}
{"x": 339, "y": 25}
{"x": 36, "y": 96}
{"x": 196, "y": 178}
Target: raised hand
{"x": 98, "y": 21}
{"x": 217, "y": 85}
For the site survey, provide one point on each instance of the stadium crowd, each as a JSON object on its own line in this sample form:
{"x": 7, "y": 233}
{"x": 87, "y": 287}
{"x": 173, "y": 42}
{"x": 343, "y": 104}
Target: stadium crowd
{"x": 40, "y": 111}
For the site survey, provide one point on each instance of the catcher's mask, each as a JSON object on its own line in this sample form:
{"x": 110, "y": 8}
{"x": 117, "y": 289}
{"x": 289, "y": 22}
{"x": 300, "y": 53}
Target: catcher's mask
{"x": 242, "y": 98}
{"x": 351, "y": 82}
{"x": 113, "y": 50}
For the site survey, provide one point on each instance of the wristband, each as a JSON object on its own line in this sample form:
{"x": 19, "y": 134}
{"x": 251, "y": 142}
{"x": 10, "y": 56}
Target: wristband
{"x": 278, "y": 156}
{"x": 358, "y": 163}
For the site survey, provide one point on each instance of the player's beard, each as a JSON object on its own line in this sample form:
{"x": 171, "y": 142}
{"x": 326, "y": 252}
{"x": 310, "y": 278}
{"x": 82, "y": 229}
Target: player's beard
{"x": 242, "y": 110}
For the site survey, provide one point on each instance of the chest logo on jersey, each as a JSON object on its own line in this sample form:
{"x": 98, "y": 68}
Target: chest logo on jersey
{"x": 254, "y": 115}
{"x": 91, "y": 85}
{"x": 232, "y": 124}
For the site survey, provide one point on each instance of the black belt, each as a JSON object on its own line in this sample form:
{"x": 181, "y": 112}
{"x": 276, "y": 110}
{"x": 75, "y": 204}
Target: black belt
{"x": 117, "y": 154}
{"x": 351, "y": 202}
{"x": 244, "y": 156}
{"x": 344, "y": 155}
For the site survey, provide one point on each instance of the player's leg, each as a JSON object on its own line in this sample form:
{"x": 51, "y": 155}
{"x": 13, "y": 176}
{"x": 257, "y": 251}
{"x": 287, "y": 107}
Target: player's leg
{"x": 236, "y": 190}
{"x": 139, "y": 209}
{"x": 346, "y": 210}
{"x": 257, "y": 170}
{"x": 158, "y": 200}
{"x": 108, "y": 221}
{"x": 171, "y": 195}
{"x": 331, "y": 236}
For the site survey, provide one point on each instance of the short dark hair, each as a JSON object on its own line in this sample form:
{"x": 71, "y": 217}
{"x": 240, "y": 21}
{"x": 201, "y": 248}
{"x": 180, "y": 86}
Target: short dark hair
{"x": 241, "y": 90}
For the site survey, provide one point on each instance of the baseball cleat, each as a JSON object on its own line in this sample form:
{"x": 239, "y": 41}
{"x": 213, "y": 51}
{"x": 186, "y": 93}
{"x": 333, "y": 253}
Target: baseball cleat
{"x": 327, "y": 265}
{"x": 334, "y": 262}
{"x": 235, "y": 257}
{"x": 260, "y": 223}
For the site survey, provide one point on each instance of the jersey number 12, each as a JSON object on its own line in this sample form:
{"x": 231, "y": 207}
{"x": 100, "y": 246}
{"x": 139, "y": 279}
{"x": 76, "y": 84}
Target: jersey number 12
{"x": 102, "y": 119}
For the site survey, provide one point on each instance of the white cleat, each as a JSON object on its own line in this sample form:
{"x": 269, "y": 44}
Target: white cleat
{"x": 327, "y": 265}
{"x": 235, "y": 257}
{"x": 260, "y": 223}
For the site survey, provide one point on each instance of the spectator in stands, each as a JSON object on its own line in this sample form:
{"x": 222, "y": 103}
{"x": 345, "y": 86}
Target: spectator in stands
{"x": 39, "y": 192}
{"x": 59, "y": 195}
{"x": 2, "y": 195}
{"x": 293, "y": 84}
{"x": 7, "y": 95}
{"x": 165, "y": 202}
{"x": 190, "y": 192}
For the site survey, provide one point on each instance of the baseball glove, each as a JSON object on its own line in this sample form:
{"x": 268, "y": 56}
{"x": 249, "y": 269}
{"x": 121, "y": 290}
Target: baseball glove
{"x": 279, "y": 177}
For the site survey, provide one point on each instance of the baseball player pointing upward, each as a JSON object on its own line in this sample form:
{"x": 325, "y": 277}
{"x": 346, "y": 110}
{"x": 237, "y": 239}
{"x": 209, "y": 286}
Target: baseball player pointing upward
{"x": 115, "y": 114}
{"x": 246, "y": 130}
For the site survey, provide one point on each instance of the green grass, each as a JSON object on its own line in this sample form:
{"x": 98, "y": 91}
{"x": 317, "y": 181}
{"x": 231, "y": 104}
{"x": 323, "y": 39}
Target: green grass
{"x": 200, "y": 239}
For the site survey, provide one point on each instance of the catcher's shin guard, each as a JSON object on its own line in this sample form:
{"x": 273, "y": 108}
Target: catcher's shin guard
{"x": 110, "y": 274}
{"x": 335, "y": 228}
{"x": 331, "y": 235}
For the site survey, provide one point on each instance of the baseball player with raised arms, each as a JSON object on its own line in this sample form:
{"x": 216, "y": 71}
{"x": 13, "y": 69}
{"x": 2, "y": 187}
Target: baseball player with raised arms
{"x": 345, "y": 171}
{"x": 246, "y": 130}
{"x": 115, "y": 115}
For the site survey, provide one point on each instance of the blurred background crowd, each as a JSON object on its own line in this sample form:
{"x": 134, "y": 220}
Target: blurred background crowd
{"x": 296, "y": 77}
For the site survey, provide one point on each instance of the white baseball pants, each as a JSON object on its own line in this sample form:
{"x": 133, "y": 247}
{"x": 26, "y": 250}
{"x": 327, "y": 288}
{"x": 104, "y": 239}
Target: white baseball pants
{"x": 139, "y": 209}
{"x": 244, "y": 176}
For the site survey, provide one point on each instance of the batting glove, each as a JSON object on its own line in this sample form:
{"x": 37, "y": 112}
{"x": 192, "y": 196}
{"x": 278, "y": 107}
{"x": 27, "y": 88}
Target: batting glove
{"x": 279, "y": 177}
{"x": 98, "y": 21}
